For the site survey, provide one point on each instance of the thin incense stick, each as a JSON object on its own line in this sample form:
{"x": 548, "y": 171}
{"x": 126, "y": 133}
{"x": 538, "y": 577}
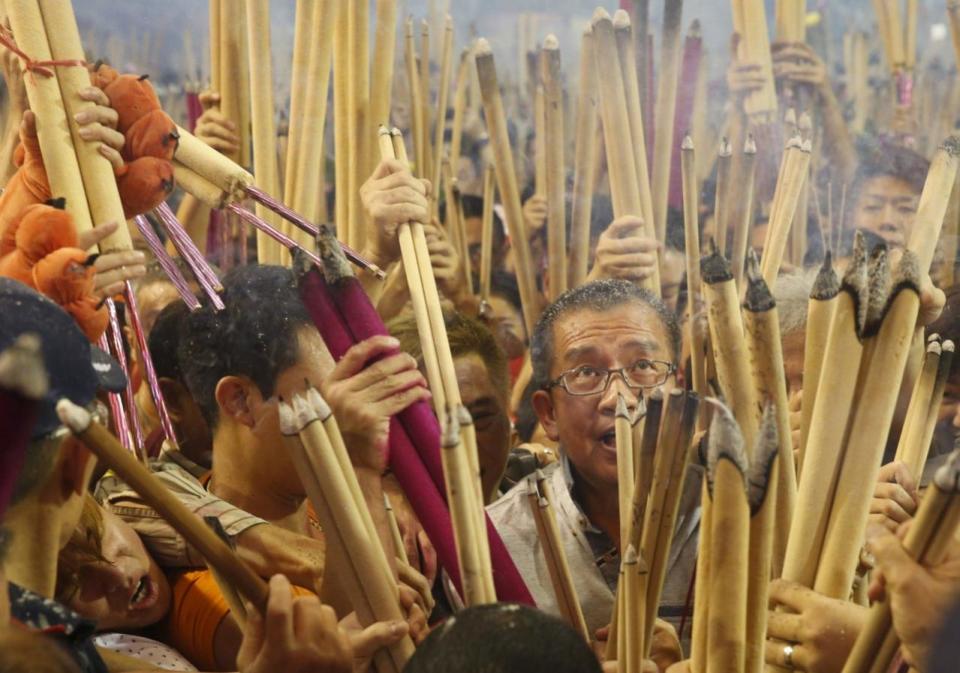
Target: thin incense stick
{"x": 443, "y": 95}
{"x": 625, "y": 467}
{"x": 741, "y": 211}
{"x": 486, "y": 238}
{"x": 166, "y": 263}
{"x": 585, "y": 168}
{"x": 691, "y": 229}
{"x": 723, "y": 196}
{"x": 556, "y": 183}
{"x": 460, "y": 105}
{"x": 115, "y": 333}
{"x": 665, "y": 113}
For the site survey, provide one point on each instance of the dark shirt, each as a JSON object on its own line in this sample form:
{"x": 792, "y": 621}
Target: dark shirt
{"x": 59, "y": 622}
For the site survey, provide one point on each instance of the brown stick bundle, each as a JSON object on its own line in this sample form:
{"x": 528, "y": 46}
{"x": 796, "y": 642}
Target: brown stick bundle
{"x": 741, "y": 210}
{"x": 762, "y": 325}
{"x": 914, "y": 424}
{"x": 750, "y": 22}
{"x": 820, "y": 310}
{"x": 556, "y": 173}
{"x": 443, "y": 95}
{"x": 790, "y": 182}
{"x": 585, "y": 168}
{"x": 830, "y": 416}
{"x": 507, "y": 180}
{"x": 730, "y": 543}
{"x": 621, "y": 162}
{"x": 728, "y": 342}
{"x": 691, "y": 229}
{"x": 99, "y": 182}
{"x": 665, "y": 111}
{"x": 46, "y": 101}
{"x": 763, "y": 486}
{"x": 108, "y": 449}
{"x": 486, "y": 237}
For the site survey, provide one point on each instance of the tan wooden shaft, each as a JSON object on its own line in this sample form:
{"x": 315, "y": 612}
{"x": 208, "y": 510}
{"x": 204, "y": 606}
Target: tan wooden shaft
{"x": 665, "y": 111}
{"x": 585, "y": 168}
{"x": 556, "y": 172}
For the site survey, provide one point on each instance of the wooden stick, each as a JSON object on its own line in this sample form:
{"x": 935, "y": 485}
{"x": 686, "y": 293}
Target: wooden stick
{"x": 763, "y": 486}
{"x": 215, "y": 9}
{"x": 556, "y": 183}
{"x": 722, "y": 196}
{"x": 631, "y": 636}
{"x": 235, "y": 78}
{"x": 691, "y": 227}
{"x": 729, "y": 553}
{"x": 106, "y": 447}
{"x": 539, "y": 140}
{"x": 585, "y": 168}
{"x": 425, "y": 96}
{"x": 341, "y": 123}
{"x": 792, "y": 178}
{"x": 621, "y": 165}
{"x": 762, "y": 325}
{"x": 914, "y": 424}
{"x": 416, "y": 99}
{"x": 214, "y": 167}
{"x": 358, "y": 97}
{"x": 750, "y": 21}
{"x": 820, "y": 310}
{"x": 741, "y": 211}
{"x": 304, "y": 46}
{"x": 834, "y": 397}
{"x": 665, "y": 111}
{"x": 507, "y": 180}
{"x": 99, "y": 182}
{"x": 943, "y": 373}
{"x": 728, "y": 342}
{"x": 625, "y": 467}
{"x": 953, "y": 19}
{"x": 53, "y": 129}
{"x": 399, "y": 548}
{"x": 385, "y": 44}
{"x": 701, "y": 605}
{"x": 486, "y": 238}
{"x": 443, "y": 95}
{"x": 459, "y": 106}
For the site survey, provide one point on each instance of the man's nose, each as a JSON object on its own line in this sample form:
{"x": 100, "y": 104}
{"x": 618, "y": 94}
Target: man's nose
{"x": 615, "y": 387}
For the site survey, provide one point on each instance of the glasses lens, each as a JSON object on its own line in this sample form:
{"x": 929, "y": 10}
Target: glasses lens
{"x": 647, "y": 373}
{"x": 585, "y": 380}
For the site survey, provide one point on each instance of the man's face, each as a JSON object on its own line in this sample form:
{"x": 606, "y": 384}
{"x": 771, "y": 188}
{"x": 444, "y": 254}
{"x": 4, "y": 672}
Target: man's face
{"x": 488, "y": 407}
{"x": 886, "y": 206}
{"x": 506, "y": 323}
{"x": 611, "y": 339}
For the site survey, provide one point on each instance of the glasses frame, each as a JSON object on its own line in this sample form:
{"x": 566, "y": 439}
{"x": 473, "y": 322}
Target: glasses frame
{"x": 560, "y": 383}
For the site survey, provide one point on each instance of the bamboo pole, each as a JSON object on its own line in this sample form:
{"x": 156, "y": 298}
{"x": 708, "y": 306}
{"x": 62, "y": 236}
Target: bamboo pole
{"x": 341, "y": 124}
{"x": 460, "y": 106}
{"x": 762, "y": 325}
{"x": 665, "y": 111}
{"x": 486, "y": 237}
{"x": 723, "y": 196}
{"x": 786, "y": 198}
{"x": 828, "y": 423}
{"x": 729, "y": 554}
{"x": 507, "y": 180}
{"x": 539, "y": 140}
{"x": 585, "y": 168}
{"x": 953, "y": 20}
{"x": 46, "y": 101}
{"x": 385, "y": 44}
{"x": 621, "y": 165}
{"x": 416, "y": 99}
{"x": 820, "y": 310}
{"x": 691, "y": 226}
{"x": 106, "y": 447}
{"x": 625, "y": 467}
{"x": 556, "y": 183}
{"x": 729, "y": 344}
{"x": 300, "y": 64}
{"x": 741, "y": 211}
{"x": 215, "y": 8}
{"x": 632, "y": 611}
{"x": 914, "y": 424}
{"x": 235, "y": 78}
{"x": 443, "y": 95}
{"x": 358, "y": 121}
{"x": 764, "y": 483}
{"x": 750, "y": 21}
{"x": 217, "y": 169}
{"x": 425, "y": 96}
{"x": 943, "y": 373}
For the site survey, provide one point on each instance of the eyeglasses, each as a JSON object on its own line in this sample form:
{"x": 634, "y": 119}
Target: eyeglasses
{"x": 587, "y": 380}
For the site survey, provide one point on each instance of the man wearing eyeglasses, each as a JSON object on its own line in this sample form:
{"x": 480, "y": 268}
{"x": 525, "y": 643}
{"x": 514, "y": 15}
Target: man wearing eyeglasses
{"x": 598, "y": 341}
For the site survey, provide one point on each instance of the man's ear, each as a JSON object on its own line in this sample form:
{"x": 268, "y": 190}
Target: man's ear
{"x": 546, "y": 412}
{"x": 76, "y": 467}
{"x": 236, "y": 397}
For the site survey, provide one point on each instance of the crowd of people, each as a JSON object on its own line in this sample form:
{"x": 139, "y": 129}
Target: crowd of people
{"x": 98, "y": 580}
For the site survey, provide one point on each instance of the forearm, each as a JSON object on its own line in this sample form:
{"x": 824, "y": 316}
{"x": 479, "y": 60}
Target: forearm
{"x": 271, "y": 550}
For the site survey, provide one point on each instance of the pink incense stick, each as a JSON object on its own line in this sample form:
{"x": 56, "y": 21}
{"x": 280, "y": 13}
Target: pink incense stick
{"x": 205, "y": 276}
{"x": 151, "y": 373}
{"x": 118, "y": 414}
{"x": 166, "y": 263}
{"x": 116, "y": 337}
{"x": 266, "y": 228}
{"x": 304, "y": 224}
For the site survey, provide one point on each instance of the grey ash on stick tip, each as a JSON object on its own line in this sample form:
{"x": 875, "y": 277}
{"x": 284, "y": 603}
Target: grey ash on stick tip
{"x": 758, "y": 297}
{"x": 855, "y": 279}
{"x": 765, "y": 452}
{"x": 335, "y": 265}
{"x": 878, "y": 285}
{"x": 827, "y": 283}
{"x": 952, "y": 146}
{"x": 947, "y": 478}
{"x": 714, "y": 268}
{"x": 726, "y": 442}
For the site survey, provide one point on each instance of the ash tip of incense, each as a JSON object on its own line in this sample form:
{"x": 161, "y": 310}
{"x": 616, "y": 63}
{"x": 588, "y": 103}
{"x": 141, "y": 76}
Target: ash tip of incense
{"x": 425, "y": 25}
{"x": 550, "y": 42}
{"x": 725, "y": 149}
{"x": 22, "y": 370}
{"x": 952, "y": 146}
{"x": 656, "y": 397}
{"x": 806, "y": 146}
{"x": 303, "y": 411}
{"x": 600, "y": 15}
{"x": 947, "y": 478}
{"x": 855, "y": 276}
{"x": 726, "y": 440}
{"x": 805, "y": 122}
{"x": 687, "y": 143}
{"x": 73, "y": 415}
{"x": 383, "y": 130}
{"x": 694, "y": 30}
{"x": 621, "y": 411}
{"x": 451, "y": 432}
{"x": 288, "y": 418}
{"x": 714, "y": 268}
{"x": 933, "y": 337}
{"x": 765, "y": 451}
{"x": 482, "y": 47}
{"x": 640, "y": 412}
{"x": 335, "y": 267}
{"x": 621, "y": 19}
{"x": 827, "y": 284}
{"x": 320, "y": 405}
{"x": 630, "y": 555}
{"x": 878, "y": 283}
{"x": 790, "y": 117}
{"x": 463, "y": 416}
{"x": 908, "y": 270}
{"x": 947, "y": 346}
{"x": 758, "y": 296}
{"x": 795, "y": 142}
{"x": 750, "y": 145}
{"x": 934, "y": 348}
{"x": 448, "y": 22}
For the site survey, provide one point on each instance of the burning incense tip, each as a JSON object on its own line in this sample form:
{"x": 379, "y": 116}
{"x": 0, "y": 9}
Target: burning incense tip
{"x": 827, "y": 283}
{"x": 622, "y": 406}
{"x": 482, "y": 47}
{"x": 551, "y": 43}
{"x": 806, "y": 146}
{"x": 725, "y": 149}
{"x": 694, "y": 31}
{"x": 630, "y": 556}
{"x": 621, "y": 20}
{"x": 878, "y": 284}
{"x": 599, "y": 15}
{"x": 934, "y": 348}
{"x": 952, "y": 146}
{"x": 451, "y": 432}
{"x": 22, "y": 370}
{"x": 726, "y": 440}
{"x": 714, "y": 268}
{"x": 758, "y": 297}
{"x": 805, "y": 122}
{"x": 320, "y": 406}
{"x": 687, "y": 143}
{"x": 303, "y": 411}
{"x": 947, "y": 478}
{"x": 908, "y": 272}
{"x": 288, "y": 419}
{"x": 765, "y": 452}
{"x": 933, "y": 337}
{"x": 750, "y": 145}
{"x": 73, "y": 416}
{"x": 790, "y": 117}
{"x": 795, "y": 143}
{"x": 947, "y": 346}
{"x": 463, "y": 416}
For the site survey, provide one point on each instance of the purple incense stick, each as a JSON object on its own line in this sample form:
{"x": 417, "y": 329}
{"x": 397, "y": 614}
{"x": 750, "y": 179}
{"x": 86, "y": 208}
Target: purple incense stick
{"x": 205, "y": 276}
{"x": 121, "y": 425}
{"x": 268, "y": 229}
{"x": 166, "y": 263}
{"x": 151, "y": 373}
{"x": 116, "y": 337}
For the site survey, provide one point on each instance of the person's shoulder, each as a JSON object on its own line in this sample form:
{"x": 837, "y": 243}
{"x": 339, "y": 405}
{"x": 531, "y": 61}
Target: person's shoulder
{"x": 513, "y": 505}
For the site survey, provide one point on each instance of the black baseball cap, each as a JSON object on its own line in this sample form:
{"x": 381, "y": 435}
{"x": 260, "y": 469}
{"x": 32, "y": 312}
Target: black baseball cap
{"x": 76, "y": 369}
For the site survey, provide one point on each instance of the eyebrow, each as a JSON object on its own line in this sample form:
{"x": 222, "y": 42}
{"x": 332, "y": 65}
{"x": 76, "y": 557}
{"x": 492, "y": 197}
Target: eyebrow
{"x": 581, "y": 351}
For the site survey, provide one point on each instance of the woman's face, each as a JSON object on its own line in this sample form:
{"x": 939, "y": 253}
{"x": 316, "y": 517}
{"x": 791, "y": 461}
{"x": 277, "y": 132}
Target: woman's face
{"x": 128, "y": 592}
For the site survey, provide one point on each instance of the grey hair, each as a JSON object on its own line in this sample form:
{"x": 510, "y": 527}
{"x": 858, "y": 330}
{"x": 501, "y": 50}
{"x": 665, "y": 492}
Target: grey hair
{"x": 792, "y": 294}
{"x": 599, "y": 295}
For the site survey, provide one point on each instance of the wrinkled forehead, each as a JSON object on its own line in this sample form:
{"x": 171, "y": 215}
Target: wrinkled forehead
{"x": 632, "y": 326}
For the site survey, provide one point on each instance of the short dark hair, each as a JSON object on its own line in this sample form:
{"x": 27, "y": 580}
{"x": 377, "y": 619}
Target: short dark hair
{"x": 255, "y": 335}
{"x": 599, "y": 295}
{"x": 164, "y": 340}
{"x": 503, "y": 638}
{"x": 881, "y": 157}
